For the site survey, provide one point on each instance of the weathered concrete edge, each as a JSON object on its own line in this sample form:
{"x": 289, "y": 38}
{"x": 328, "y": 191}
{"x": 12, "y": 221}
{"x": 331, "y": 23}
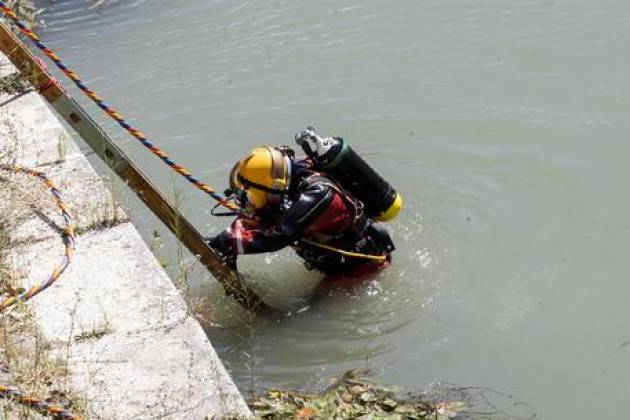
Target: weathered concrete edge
{"x": 154, "y": 360}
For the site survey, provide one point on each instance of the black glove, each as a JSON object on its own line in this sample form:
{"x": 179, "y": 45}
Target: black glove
{"x": 222, "y": 245}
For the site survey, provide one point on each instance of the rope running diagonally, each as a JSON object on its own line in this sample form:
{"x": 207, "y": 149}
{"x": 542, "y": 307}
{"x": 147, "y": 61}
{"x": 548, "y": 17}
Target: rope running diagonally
{"x": 68, "y": 237}
{"x": 137, "y": 134}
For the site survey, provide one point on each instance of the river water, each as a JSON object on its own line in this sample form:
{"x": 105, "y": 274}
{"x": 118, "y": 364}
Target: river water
{"x": 504, "y": 125}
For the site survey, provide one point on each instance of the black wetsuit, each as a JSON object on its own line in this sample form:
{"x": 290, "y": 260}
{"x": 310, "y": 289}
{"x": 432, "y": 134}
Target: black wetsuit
{"x": 317, "y": 210}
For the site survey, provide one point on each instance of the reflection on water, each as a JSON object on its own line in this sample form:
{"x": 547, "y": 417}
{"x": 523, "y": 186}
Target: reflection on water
{"x": 504, "y": 126}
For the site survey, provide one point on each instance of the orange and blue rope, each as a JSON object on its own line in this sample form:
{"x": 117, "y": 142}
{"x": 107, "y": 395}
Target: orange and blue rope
{"x": 36, "y": 403}
{"x": 137, "y": 134}
{"x": 68, "y": 237}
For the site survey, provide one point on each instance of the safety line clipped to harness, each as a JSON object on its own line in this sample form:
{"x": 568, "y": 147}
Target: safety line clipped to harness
{"x": 346, "y": 253}
{"x": 68, "y": 237}
{"x": 137, "y": 134}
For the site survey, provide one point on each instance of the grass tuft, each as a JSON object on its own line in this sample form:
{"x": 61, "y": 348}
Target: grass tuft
{"x": 27, "y": 361}
{"x": 25, "y": 11}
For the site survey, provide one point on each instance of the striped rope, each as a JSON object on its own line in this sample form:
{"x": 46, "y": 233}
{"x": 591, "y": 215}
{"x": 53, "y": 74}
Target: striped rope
{"x": 68, "y": 237}
{"x": 137, "y": 134}
{"x": 38, "y": 404}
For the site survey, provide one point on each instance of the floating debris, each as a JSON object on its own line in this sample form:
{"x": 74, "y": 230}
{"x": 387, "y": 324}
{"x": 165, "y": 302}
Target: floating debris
{"x": 352, "y": 397}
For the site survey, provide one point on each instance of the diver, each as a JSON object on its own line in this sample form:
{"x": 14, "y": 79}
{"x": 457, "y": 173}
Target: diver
{"x": 327, "y": 205}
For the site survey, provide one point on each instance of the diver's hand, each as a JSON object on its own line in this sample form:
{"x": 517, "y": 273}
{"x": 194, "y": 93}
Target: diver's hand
{"x": 222, "y": 245}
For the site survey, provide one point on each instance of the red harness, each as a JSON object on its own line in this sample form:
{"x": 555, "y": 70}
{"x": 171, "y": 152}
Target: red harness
{"x": 338, "y": 217}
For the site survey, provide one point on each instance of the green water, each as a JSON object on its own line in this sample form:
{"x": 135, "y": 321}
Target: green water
{"x": 504, "y": 125}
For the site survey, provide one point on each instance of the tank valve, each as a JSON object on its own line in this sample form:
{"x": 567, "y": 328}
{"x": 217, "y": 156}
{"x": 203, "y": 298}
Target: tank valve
{"x": 313, "y": 144}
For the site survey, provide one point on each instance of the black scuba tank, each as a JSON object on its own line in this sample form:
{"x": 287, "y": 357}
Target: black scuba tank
{"x": 334, "y": 157}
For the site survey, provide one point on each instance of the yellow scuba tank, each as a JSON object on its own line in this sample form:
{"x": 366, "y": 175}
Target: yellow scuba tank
{"x": 334, "y": 157}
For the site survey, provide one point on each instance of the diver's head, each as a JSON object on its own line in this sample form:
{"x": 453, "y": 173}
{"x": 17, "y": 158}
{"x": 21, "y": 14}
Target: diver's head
{"x": 260, "y": 181}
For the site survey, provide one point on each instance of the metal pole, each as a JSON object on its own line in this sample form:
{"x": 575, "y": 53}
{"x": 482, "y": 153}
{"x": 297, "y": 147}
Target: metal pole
{"x": 117, "y": 160}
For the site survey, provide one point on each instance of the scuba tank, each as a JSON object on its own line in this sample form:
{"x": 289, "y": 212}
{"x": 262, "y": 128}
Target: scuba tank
{"x": 334, "y": 157}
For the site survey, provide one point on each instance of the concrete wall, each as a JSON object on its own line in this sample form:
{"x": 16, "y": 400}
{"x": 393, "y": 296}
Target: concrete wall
{"x": 133, "y": 348}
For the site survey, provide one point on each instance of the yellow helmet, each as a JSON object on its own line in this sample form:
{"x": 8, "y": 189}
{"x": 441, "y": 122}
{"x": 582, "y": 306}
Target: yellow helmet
{"x": 262, "y": 178}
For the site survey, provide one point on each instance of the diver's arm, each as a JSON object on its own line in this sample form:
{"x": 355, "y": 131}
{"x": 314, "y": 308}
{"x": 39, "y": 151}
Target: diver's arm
{"x": 312, "y": 202}
{"x": 247, "y": 237}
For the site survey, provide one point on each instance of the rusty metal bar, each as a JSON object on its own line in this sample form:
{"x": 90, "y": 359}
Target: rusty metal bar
{"x": 114, "y": 157}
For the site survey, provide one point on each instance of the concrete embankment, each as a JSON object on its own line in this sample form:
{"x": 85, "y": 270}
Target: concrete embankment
{"x": 132, "y": 347}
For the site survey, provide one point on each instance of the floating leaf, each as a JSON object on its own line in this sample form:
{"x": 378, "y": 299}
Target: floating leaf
{"x": 389, "y": 404}
{"x": 449, "y": 409}
{"x": 357, "y": 390}
{"x": 306, "y": 413}
{"x": 260, "y": 404}
{"x": 367, "y": 397}
{"x": 405, "y": 409}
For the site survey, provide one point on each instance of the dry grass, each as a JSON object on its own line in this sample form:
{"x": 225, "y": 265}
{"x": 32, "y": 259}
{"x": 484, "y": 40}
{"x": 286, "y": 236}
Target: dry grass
{"x": 25, "y": 10}
{"x": 26, "y": 364}
{"x": 14, "y": 83}
{"x": 26, "y": 360}
{"x": 20, "y": 196}
{"x": 97, "y": 331}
